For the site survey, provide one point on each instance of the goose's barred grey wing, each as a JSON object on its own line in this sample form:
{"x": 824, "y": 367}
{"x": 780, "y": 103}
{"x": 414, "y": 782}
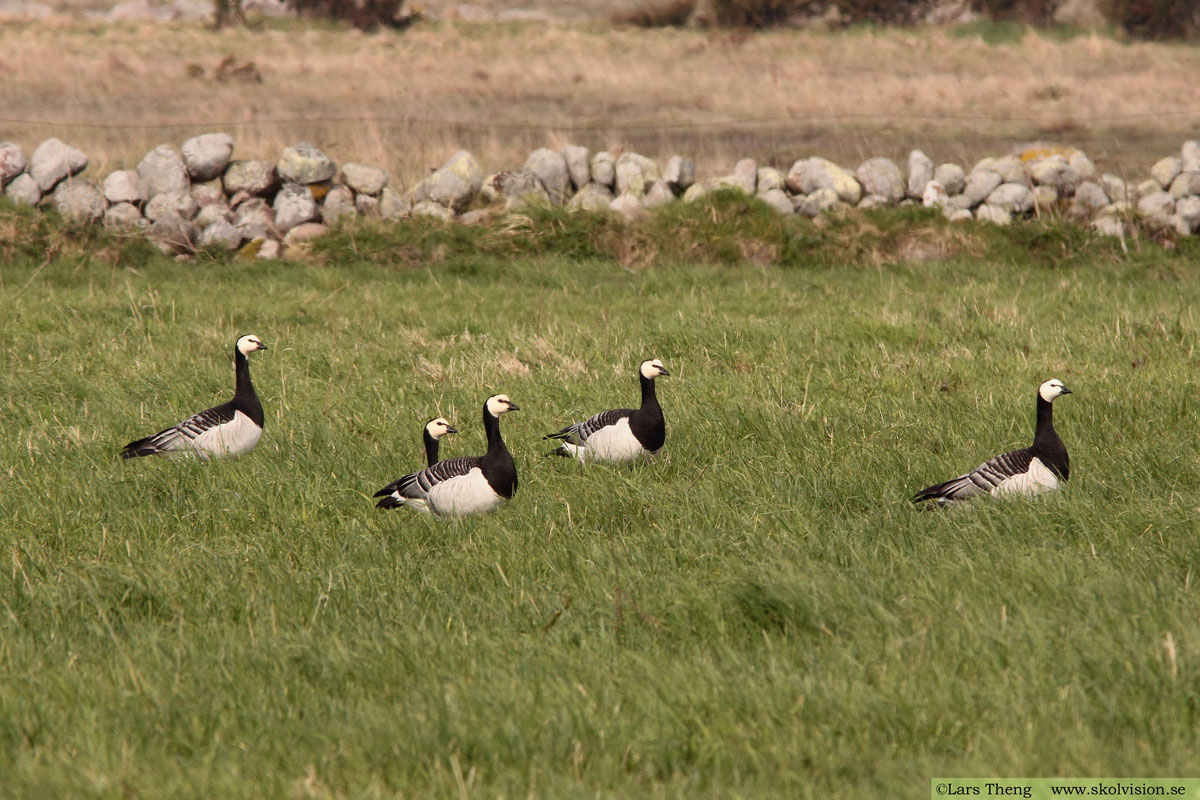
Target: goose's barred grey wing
{"x": 984, "y": 479}
{"x": 176, "y": 437}
{"x": 580, "y": 431}
{"x": 419, "y": 483}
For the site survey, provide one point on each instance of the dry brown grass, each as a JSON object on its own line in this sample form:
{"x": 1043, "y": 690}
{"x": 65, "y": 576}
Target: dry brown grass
{"x": 408, "y": 100}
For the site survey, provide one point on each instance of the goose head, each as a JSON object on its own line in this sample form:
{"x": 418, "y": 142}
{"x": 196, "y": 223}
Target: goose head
{"x": 652, "y": 369}
{"x": 249, "y": 343}
{"x": 499, "y": 404}
{"x": 1052, "y": 389}
{"x": 439, "y": 427}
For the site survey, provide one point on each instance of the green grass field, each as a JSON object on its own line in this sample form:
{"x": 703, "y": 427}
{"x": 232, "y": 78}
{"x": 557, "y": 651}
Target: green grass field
{"x": 759, "y": 613}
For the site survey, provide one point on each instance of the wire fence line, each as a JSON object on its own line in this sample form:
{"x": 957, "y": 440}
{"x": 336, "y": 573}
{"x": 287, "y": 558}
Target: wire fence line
{"x": 614, "y": 125}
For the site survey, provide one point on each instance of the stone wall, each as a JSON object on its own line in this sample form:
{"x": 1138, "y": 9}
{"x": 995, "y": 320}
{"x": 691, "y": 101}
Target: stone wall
{"x": 201, "y": 196}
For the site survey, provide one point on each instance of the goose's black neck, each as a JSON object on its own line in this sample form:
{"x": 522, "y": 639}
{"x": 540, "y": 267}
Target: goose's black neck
{"x": 491, "y": 426}
{"x": 649, "y": 398}
{"x": 431, "y": 448}
{"x": 497, "y": 463}
{"x": 1046, "y": 445}
{"x": 245, "y": 399}
{"x": 1043, "y": 432}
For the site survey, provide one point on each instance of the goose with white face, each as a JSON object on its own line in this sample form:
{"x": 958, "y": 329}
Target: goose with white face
{"x": 1041, "y": 467}
{"x": 653, "y": 369}
{"x": 499, "y": 404}
{"x": 439, "y": 427}
{"x": 249, "y": 344}
{"x": 1051, "y": 389}
{"x": 620, "y": 434}
{"x": 229, "y": 429}
{"x": 464, "y": 485}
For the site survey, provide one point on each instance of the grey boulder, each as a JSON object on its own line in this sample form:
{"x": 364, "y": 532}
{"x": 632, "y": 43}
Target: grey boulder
{"x": 206, "y": 156}
{"x": 54, "y": 161}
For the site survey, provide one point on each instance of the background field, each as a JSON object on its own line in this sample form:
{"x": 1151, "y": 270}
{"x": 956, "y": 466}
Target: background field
{"x": 759, "y": 613}
{"x": 408, "y": 100}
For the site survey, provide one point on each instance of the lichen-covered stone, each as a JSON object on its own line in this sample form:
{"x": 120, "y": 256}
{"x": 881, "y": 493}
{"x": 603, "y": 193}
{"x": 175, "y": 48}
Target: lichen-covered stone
{"x": 304, "y": 164}
{"x": 338, "y": 203}
{"x": 426, "y": 208}
{"x": 1115, "y": 187}
{"x": 1157, "y": 206}
{"x": 255, "y": 219}
{"x": 293, "y": 205}
{"x": 680, "y": 173}
{"x": 881, "y": 176}
{"x": 164, "y": 171}
{"x": 79, "y": 200}
{"x": 994, "y": 214}
{"x": 1014, "y": 198}
{"x": 221, "y": 234}
{"x": 934, "y": 194}
{"x": 54, "y": 161}
{"x": 1189, "y": 156}
{"x": 920, "y": 173}
{"x": 576, "y": 157}
{"x": 819, "y": 201}
{"x": 1185, "y": 184}
{"x": 592, "y": 197}
{"x": 453, "y": 185}
{"x": 207, "y": 193}
{"x": 23, "y": 189}
{"x": 778, "y": 200}
{"x": 604, "y": 168}
{"x": 517, "y": 189}
{"x": 12, "y": 162}
{"x": 1187, "y": 209}
{"x": 364, "y": 179}
{"x": 125, "y": 216}
{"x": 1089, "y": 199}
{"x": 816, "y": 173}
{"x": 1165, "y": 170}
{"x": 305, "y": 232}
{"x": 367, "y": 205}
{"x": 251, "y": 176}
{"x": 769, "y": 178}
{"x": 392, "y": 205}
{"x": 628, "y": 206}
{"x": 1044, "y": 198}
{"x": 636, "y": 167}
{"x": 551, "y": 167}
{"x": 206, "y": 156}
{"x": 952, "y": 177}
{"x": 126, "y": 186}
{"x": 659, "y": 195}
{"x": 174, "y": 234}
{"x": 213, "y": 212}
{"x": 980, "y": 183}
{"x": 1009, "y": 168}
{"x": 181, "y": 204}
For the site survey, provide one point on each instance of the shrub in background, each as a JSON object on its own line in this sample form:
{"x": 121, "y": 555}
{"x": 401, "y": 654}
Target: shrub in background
{"x": 661, "y": 14}
{"x": 362, "y": 14}
{"x": 1155, "y": 19}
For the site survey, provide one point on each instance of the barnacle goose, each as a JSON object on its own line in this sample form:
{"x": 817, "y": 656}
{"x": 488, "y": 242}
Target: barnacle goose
{"x": 1033, "y": 470}
{"x": 622, "y": 433}
{"x": 229, "y": 429}
{"x": 463, "y": 485}
{"x": 435, "y": 429}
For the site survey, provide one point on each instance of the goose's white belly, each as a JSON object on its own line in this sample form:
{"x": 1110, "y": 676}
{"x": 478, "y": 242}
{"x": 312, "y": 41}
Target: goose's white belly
{"x": 232, "y": 438}
{"x": 611, "y": 443}
{"x": 1037, "y": 479}
{"x": 464, "y": 494}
